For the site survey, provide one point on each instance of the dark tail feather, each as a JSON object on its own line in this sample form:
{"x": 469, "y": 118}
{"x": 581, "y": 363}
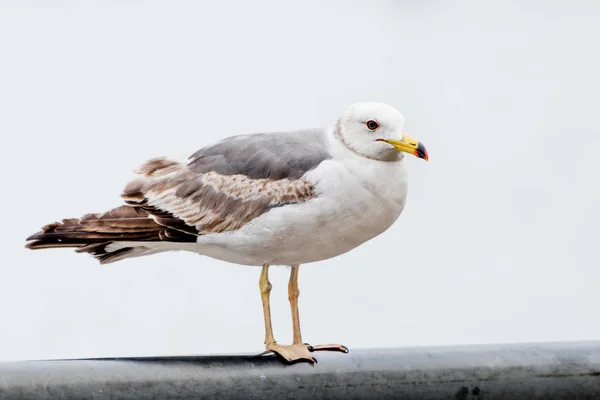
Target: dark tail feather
{"x": 93, "y": 233}
{"x": 122, "y": 223}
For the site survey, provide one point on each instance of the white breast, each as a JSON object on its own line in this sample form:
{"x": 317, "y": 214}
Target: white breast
{"x": 356, "y": 200}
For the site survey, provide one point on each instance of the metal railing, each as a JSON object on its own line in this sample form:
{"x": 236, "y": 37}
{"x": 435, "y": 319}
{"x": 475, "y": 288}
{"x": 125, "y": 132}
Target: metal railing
{"x": 520, "y": 371}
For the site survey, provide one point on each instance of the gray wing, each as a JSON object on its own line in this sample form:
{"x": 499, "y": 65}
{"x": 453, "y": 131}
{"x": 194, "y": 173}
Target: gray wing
{"x": 273, "y": 156}
{"x": 227, "y": 185}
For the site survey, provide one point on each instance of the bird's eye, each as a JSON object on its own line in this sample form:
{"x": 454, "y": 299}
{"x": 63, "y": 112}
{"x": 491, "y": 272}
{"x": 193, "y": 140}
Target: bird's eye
{"x": 372, "y": 125}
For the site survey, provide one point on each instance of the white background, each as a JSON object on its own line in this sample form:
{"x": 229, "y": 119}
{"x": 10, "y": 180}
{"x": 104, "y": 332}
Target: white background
{"x": 499, "y": 239}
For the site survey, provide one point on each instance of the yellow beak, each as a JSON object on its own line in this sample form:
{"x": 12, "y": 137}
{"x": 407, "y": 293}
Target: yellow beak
{"x": 409, "y": 145}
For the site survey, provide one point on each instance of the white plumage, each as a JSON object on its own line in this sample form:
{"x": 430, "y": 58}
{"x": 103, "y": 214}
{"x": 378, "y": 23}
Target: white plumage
{"x": 358, "y": 193}
{"x": 355, "y": 200}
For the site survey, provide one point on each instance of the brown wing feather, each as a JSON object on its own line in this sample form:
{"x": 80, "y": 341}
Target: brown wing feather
{"x": 200, "y": 203}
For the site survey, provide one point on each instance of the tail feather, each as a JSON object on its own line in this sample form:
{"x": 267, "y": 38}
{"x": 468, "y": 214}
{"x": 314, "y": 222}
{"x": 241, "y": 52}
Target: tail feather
{"x": 94, "y": 233}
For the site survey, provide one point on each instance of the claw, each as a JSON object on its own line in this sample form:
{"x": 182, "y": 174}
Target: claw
{"x": 329, "y": 347}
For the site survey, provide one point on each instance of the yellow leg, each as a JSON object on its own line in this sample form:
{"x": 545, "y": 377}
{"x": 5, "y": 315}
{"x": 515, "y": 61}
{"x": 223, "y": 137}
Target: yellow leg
{"x": 291, "y": 353}
{"x": 265, "y": 293}
{"x": 293, "y": 293}
{"x": 297, "y": 350}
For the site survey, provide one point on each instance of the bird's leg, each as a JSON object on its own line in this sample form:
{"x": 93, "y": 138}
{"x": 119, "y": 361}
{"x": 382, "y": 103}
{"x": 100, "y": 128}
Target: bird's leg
{"x": 293, "y": 293}
{"x": 294, "y": 352}
{"x": 265, "y": 293}
{"x": 297, "y": 351}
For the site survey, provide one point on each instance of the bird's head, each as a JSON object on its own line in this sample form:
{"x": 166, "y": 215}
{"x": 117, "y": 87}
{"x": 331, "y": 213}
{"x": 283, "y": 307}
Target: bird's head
{"x": 376, "y": 131}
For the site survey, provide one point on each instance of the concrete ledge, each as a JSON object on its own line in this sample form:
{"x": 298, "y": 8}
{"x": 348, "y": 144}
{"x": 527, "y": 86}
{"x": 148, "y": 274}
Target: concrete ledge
{"x": 544, "y": 371}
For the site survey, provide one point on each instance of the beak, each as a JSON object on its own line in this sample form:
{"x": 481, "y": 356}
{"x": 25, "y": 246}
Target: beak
{"x": 408, "y": 145}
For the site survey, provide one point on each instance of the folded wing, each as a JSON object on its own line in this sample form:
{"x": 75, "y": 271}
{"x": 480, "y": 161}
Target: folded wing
{"x": 218, "y": 189}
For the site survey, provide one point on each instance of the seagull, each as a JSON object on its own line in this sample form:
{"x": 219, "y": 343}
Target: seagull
{"x": 260, "y": 199}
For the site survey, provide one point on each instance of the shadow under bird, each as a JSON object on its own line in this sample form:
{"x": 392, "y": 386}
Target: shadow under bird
{"x": 261, "y": 199}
